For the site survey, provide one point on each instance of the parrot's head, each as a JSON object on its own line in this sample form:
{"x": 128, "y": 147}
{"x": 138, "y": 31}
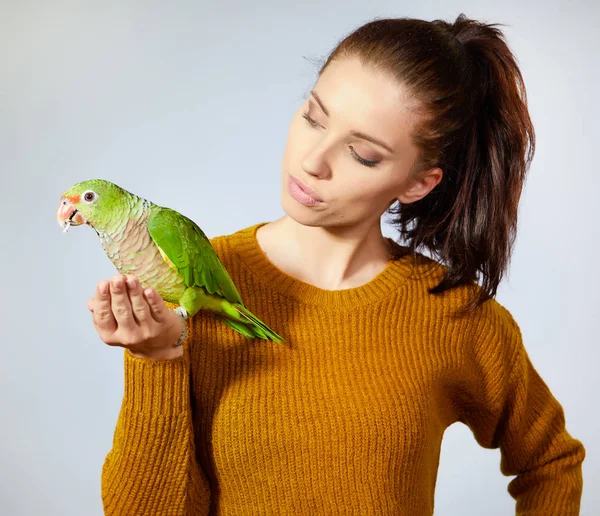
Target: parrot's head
{"x": 91, "y": 202}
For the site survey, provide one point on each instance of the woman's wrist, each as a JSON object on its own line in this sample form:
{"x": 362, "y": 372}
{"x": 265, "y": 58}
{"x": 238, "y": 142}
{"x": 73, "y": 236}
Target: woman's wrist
{"x": 182, "y": 335}
{"x": 169, "y": 353}
{"x": 174, "y": 349}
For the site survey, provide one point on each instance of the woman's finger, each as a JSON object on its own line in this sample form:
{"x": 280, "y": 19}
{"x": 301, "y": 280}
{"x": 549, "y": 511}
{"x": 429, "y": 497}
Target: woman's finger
{"x": 158, "y": 309}
{"x": 90, "y": 304}
{"x": 120, "y": 304}
{"x": 139, "y": 305}
{"x": 103, "y": 318}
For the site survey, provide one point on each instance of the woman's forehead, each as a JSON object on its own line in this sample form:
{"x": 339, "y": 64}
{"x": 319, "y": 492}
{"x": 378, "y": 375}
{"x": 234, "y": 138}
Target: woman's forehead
{"x": 365, "y": 98}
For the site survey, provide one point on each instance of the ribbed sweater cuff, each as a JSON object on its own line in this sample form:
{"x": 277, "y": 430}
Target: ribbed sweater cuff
{"x": 157, "y": 387}
{"x": 554, "y": 497}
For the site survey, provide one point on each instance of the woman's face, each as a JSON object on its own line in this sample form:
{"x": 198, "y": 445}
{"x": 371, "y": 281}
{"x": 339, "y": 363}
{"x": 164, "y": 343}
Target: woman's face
{"x": 356, "y": 179}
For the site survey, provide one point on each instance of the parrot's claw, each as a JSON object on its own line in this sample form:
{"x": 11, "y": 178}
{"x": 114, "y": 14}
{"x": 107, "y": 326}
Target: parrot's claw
{"x": 67, "y": 226}
{"x": 181, "y": 312}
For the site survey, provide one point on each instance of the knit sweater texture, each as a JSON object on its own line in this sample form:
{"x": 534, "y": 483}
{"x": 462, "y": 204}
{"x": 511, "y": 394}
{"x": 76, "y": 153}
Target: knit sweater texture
{"x": 347, "y": 416}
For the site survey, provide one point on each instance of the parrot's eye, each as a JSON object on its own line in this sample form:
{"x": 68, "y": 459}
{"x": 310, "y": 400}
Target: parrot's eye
{"x": 89, "y": 196}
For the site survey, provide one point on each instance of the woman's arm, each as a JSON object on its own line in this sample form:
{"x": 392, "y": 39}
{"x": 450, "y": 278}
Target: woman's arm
{"x": 152, "y": 468}
{"x": 509, "y": 406}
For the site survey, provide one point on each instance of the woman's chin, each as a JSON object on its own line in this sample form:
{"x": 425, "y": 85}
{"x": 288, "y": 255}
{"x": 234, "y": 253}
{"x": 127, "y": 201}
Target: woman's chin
{"x": 305, "y": 215}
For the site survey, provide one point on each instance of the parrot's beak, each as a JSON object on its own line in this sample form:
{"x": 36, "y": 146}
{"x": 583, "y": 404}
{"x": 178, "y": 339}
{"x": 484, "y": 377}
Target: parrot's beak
{"x": 67, "y": 215}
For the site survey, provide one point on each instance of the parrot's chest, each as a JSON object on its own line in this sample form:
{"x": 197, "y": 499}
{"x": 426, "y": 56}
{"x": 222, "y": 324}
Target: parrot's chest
{"x": 132, "y": 251}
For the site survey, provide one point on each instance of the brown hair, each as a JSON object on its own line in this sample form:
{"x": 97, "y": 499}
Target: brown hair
{"x": 473, "y": 123}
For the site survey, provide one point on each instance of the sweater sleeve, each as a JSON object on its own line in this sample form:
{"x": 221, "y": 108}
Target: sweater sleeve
{"x": 152, "y": 468}
{"x": 509, "y": 406}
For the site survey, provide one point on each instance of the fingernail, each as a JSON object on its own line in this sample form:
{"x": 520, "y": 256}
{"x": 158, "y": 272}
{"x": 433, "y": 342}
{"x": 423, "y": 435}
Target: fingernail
{"x": 131, "y": 283}
{"x": 104, "y": 288}
{"x": 148, "y": 293}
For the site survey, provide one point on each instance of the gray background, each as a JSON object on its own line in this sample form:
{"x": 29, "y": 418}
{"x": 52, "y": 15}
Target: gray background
{"x": 188, "y": 104}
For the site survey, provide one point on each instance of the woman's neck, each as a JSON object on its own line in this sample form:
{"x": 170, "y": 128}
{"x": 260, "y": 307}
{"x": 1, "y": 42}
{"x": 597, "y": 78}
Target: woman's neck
{"x": 331, "y": 259}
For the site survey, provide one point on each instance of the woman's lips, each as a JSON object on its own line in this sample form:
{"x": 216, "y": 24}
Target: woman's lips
{"x": 295, "y": 186}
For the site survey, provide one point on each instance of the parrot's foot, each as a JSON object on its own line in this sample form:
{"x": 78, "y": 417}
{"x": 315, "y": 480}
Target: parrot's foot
{"x": 181, "y": 312}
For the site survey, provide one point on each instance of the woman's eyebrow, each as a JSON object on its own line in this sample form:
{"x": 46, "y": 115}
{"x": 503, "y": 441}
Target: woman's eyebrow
{"x": 318, "y": 99}
{"x": 353, "y": 133}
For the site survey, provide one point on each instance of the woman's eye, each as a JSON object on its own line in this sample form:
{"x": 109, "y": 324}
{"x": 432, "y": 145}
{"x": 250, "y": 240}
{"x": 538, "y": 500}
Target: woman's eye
{"x": 362, "y": 161}
{"x": 312, "y": 122}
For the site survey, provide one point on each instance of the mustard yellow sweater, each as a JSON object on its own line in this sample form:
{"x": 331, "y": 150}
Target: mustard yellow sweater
{"x": 347, "y": 416}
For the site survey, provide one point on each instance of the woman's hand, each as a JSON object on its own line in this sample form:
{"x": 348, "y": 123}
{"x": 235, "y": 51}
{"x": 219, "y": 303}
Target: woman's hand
{"x": 126, "y": 316}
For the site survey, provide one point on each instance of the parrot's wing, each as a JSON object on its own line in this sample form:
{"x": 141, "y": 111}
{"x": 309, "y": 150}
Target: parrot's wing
{"x": 190, "y": 252}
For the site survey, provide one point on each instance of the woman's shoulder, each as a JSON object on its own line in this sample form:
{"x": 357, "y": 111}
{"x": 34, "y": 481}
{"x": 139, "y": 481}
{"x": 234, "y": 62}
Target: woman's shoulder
{"x": 490, "y": 334}
{"x": 490, "y": 323}
{"x": 429, "y": 272}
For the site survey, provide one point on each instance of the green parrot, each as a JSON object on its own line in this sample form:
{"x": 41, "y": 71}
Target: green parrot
{"x": 164, "y": 249}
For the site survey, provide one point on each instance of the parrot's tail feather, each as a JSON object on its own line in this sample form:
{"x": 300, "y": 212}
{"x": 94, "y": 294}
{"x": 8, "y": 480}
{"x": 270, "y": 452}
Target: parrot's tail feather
{"x": 237, "y": 326}
{"x": 255, "y": 325}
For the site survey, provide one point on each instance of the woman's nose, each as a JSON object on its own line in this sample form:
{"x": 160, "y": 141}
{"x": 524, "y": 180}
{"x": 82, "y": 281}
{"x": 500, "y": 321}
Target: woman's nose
{"x": 317, "y": 161}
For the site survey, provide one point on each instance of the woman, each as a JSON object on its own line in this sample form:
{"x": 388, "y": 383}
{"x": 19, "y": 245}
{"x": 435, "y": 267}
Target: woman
{"x": 385, "y": 347}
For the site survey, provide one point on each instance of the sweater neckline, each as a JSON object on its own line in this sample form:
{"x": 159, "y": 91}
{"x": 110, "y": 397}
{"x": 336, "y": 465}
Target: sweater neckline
{"x": 392, "y": 277}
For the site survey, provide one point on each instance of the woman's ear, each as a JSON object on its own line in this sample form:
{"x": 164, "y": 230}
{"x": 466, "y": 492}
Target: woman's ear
{"x": 420, "y": 185}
